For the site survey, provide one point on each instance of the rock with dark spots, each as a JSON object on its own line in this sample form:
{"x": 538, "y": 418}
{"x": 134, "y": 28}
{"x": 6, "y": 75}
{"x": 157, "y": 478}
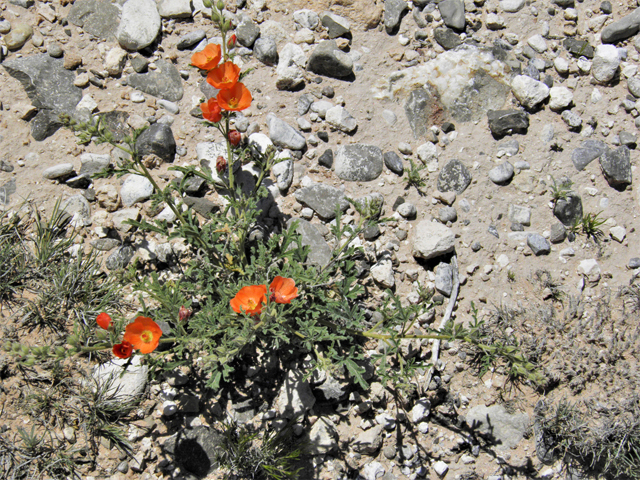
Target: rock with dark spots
{"x": 587, "y": 152}
{"x": 624, "y": 28}
{"x": 578, "y": 48}
{"x": 538, "y": 244}
{"x": 322, "y": 199}
{"x": 320, "y": 251}
{"x": 247, "y": 32}
{"x": 420, "y": 105}
{"x": 454, "y": 177}
{"x": 265, "y": 49}
{"x": 105, "y": 244}
{"x": 49, "y": 87}
{"x": 358, "y": 162}
{"x": 616, "y": 167}
{"x": 190, "y": 39}
{"x": 201, "y": 205}
{"x": 393, "y": 12}
{"x": 506, "y": 122}
{"x": 394, "y": 163}
{"x": 158, "y": 140}
{"x": 444, "y": 279}
{"x": 195, "y": 450}
{"x": 336, "y": 25}
{"x": 99, "y": 18}
{"x": 326, "y": 159}
{"x": 502, "y": 174}
{"x": 116, "y": 122}
{"x": 479, "y": 96}
{"x": 452, "y": 12}
{"x": 284, "y": 135}
{"x": 568, "y": 210}
{"x": 165, "y": 82}
{"x": 120, "y": 258}
{"x": 447, "y": 38}
{"x": 328, "y": 60}
{"x": 497, "y": 425}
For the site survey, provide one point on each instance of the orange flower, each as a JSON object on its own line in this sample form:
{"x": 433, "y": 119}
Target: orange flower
{"x": 283, "y": 290}
{"x": 211, "y": 110}
{"x": 250, "y": 299}
{"x": 235, "y": 98}
{"x": 103, "y": 320}
{"x": 225, "y": 75}
{"x": 144, "y": 334}
{"x": 207, "y": 58}
{"x": 123, "y": 350}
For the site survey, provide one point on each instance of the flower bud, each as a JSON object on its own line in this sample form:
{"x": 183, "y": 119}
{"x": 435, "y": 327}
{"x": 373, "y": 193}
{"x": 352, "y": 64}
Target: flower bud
{"x": 235, "y": 137}
{"x": 232, "y": 41}
{"x": 220, "y": 5}
{"x": 72, "y": 339}
{"x": 206, "y": 3}
{"x": 184, "y": 313}
{"x": 29, "y": 361}
{"x": 221, "y": 164}
{"x": 60, "y": 352}
{"x": 215, "y": 17}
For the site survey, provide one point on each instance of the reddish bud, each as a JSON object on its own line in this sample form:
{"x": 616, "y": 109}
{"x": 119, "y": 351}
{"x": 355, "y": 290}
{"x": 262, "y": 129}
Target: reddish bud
{"x": 221, "y": 164}
{"x": 235, "y": 137}
{"x": 184, "y": 313}
{"x": 232, "y": 41}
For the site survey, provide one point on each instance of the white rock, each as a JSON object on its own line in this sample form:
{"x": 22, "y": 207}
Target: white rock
{"x": 561, "y": 65}
{"x": 58, "y": 171}
{"x": 494, "y": 22}
{"x": 502, "y": 260}
{"x": 420, "y": 410}
{"x": 432, "y": 239}
{"x": 115, "y": 61}
{"x": 440, "y": 467}
{"x": 605, "y": 63}
{"x": 87, "y": 103}
{"x": 519, "y": 214}
{"x": 341, "y": 119}
{"x": 512, "y": 6}
{"x": 139, "y": 24}
{"x": 537, "y": 43}
{"x": 427, "y": 152}
{"x": 304, "y": 35}
{"x": 382, "y": 273}
{"x": 528, "y": 91}
{"x": 372, "y": 471}
{"x": 559, "y": 98}
{"x": 123, "y": 384}
{"x": 135, "y": 188}
{"x": 290, "y": 70}
{"x": 590, "y": 269}
{"x": 618, "y": 233}
{"x": 174, "y": 8}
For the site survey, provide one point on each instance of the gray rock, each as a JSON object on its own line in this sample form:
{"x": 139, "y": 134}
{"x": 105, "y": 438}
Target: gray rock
{"x": 628, "y": 139}
{"x": 323, "y": 437}
{"x": 283, "y": 172}
{"x": 339, "y": 118}
{"x": 135, "y": 188}
{"x": 139, "y": 63}
{"x": 508, "y": 147}
{"x": 203, "y": 206}
{"x": 634, "y": 263}
{"x": 22, "y": 3}
{"x": 50, "y": 88}
{"x": 572, "y": 119}
{"x": 190, "y": 39}
{"x": 502, "y": 174}
{"x": 498, "y": 426}
{"x": 322, "y": 199}
{"x": 331, "y": 390}
{"x": 55, "y": 50}
{"x": 538, "y": 244}
{"x": 519, "y": 214}
{"x": 79, "y": 181}
{"x": 369, "y": 441}
{"x": 122, "y": 216}
{"x": 393, "y": 163}
{"x": 447, "y": 214}
{"x": 454, "y": 176}
{"x": 105, "y": 244}
{"x": 578, "y": 48}
{"x": 320, "y": 252}
{"x": 120, "y": 258}
{"x": 62, "y": 170}
{"x": 587, "y": 152}
{"x": 247, "y": 32}
{"x": 158, "y": 140}
{"x": 328, "y": 60}
{"x": 452, "y": 12}
{"x": 290, "y": 69}
{"x": 407, "y": 210}
{"x": 99, "y": 18}
{"x": 304, "y": 103}
{"x": 432, "y": 239}
{"x": 6, "y": 190}
{"x": 284, "y": 135}
{"x": 633, "y": 85}
{"x": 444, "y": 279}
{"x": 564, "y": 3}
{"x": 195, "y": 450}
{"x": 616, "y": 167}
{"x": 123, "y": 384}
{"x": 478, "y": 96}
{"x": 605, "y": 63}
{"x": 336, "y": 25}
{"x": 358, "y": 162}
{"x": 418, "y": 108}
{"x": 447, "y": 38}
{"x": 568, "y": 210}
{"x": 295, "y": 397}
{"x": 18, "y": 36}
{"x": 622, "y": 29}
{"x": 79, "y": 209}
{"x": 558, "y": 233}
{"x": 306, "y": 18}
{"x": 174, "y": 8}
{"x": 165, "y": 82}
{"x": 326, "y": 159}
{"x": 265, "y": 49}
{"x": 393, "y": 13}
{"x": 139, "y": 25}
{"x": 506, "y": 122}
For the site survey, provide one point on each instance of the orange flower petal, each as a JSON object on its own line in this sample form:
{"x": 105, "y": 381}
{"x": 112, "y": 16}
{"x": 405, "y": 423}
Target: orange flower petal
{"x": 103, "y": 320}
{"x": 283, "y": 290}
{"x": 211, "y": 110}
{"x": 235, "y": 98}
{"x": 123, "y": 350}
{"x": 207, "y": 58}
{"x": 225, "y": 75}
{"x": 249, "y": 299}
{"x": 144, "y": 334}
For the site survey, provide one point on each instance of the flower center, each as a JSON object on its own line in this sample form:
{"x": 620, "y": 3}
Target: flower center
{"x": 252, "y": 304}
{"x": 146, "y": 336}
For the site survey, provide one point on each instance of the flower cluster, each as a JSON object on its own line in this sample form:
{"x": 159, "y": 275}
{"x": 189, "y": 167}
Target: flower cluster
{"x": 142, "y": 335}
{"x": 225, "y": 76}
{"x": 251, "y": 299}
